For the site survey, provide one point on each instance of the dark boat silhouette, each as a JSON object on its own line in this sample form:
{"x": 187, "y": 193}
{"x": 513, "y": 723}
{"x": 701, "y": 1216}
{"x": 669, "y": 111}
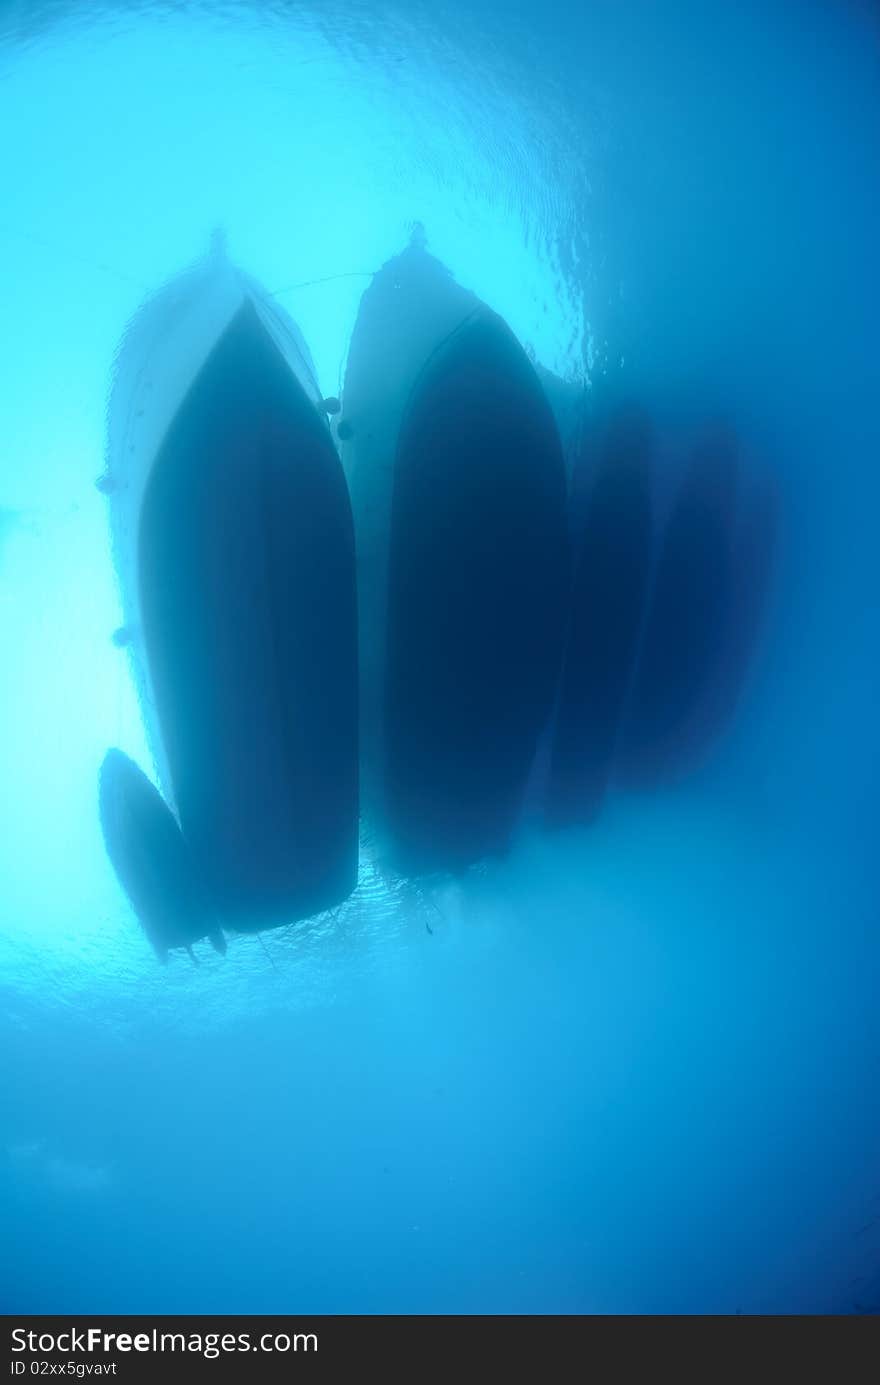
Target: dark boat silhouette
{"x": 609, "y": 590}
{"x": 234, "y": 547}
{"x": 152, "y": 861}
{"x": 458, "y": 487}
{"x": 688, "y": 615}
{"x": 754, "y": 540}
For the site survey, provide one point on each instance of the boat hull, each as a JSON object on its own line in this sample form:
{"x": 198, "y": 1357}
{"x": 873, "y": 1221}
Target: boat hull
{"x": 235, "y": 548}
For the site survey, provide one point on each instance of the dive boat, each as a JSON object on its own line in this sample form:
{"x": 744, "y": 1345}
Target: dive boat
{"x": 234, "y": 548}
{"x": 608, "y": 598}
{"x": 459, "y": 494}
{"x": 689, "y": 614}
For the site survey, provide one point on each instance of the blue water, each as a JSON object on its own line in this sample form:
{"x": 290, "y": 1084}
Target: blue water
{"x": 632, "y": 1068}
